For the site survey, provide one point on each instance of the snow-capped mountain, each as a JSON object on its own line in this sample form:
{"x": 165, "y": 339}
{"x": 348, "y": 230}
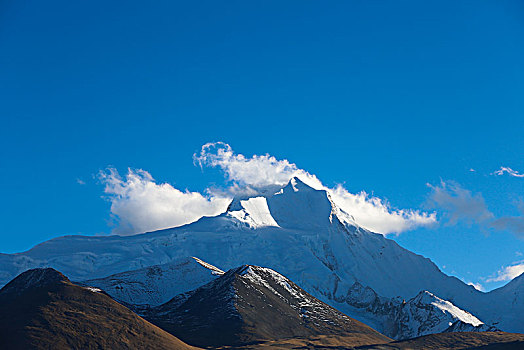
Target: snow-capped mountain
{"x": 251, "y": 304}
{"x": 157, "y": 284}
{"x": 297, "y": 231}
{"x": 423, "y": 314}
{"x": 426, "y": 313}
{"x": 509, "y": 298}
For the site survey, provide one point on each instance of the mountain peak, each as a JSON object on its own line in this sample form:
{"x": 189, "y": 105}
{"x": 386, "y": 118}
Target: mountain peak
{"x": 34, "y": 278}
{"x": 425, "y": 297}
{"x": 298, "y": 185}
{"x": 445, "y": 306}
{"x": 300, "y": 206}
{"x": 297, "y": 205}
{"x": 251, "y": 304}
{"x": 42, "y": 309}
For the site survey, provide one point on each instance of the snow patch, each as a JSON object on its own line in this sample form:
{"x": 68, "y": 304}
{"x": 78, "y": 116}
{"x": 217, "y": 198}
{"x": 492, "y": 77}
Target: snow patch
{"x": 447, "y": 307}
{"x": 214, "y": 270}
{"x": 155, "y": 285}
{"x": 254, "y": 212}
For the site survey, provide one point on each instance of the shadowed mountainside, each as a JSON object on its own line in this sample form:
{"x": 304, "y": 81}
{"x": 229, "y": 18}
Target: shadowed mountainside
{"x": 251, "y": 305}
{"x": 42, "y": 309}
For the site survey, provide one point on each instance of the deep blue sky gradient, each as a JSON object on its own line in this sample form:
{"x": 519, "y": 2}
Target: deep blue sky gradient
{"x": 384, "y": 96}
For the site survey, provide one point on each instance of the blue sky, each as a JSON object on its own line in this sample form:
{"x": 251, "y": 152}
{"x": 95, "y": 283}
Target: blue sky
{"x": 384, "y": 97}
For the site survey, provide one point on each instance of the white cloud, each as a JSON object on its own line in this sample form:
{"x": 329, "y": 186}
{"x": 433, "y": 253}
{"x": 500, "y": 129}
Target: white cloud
{"x": 80, "y": 182}
{"x": 140, "y": 204}
{"x": 477, "y": 286}
{"x": 257, "y": 173}
{"x": 507, "y": 170}
{"x": 508, "y": 273}
{"x": 376, "y": 214}
{"x": 459, "y": 204}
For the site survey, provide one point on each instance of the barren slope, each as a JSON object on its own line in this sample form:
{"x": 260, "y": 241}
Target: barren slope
{"x": 42, "y": 309}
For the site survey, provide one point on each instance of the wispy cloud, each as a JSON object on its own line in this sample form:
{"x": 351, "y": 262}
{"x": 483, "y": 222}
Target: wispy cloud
{"x": 459, "y": 204}
{"x": 514, "y": 224}
{"x": 508, "y": 273}
{"x": 507, "y": 170}
{"x": 80, "y": 182}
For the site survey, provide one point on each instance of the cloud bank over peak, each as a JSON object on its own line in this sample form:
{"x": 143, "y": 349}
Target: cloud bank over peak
{"x": 140, "y": 204}
{"x": 256, "y": 173}
{"x": 262, "y": 171}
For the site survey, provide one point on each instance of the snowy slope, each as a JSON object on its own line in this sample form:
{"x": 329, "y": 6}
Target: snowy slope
{"x": 509, "y": 298}
{"x": 423, "y": 314}
{"x": 427, "y": 314}
{"x": 252, "y": 211}
{"x": 155, "y": 285}
{"x": 313, "y": 243}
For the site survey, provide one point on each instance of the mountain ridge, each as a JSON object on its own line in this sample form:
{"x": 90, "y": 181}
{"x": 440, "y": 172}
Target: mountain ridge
{"x": 42, "y": 309}
{"x": 251, "y": 304}
{"x": 155, "y": 285}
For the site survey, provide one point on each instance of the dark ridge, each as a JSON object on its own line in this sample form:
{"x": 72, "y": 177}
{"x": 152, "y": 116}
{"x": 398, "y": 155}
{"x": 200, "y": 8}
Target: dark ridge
{"x": 42, "y": 309}
{"x": 250, "y": 305}
{"x": 34, "y": 278}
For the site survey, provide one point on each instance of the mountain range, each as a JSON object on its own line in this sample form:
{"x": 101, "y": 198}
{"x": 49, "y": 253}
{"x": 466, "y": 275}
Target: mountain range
{"x": 299, "y": 232}
{"x": 248, "y": 307}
